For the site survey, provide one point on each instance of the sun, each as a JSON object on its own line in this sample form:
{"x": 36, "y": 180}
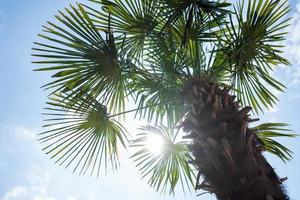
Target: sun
{"x": 155, "y": 143}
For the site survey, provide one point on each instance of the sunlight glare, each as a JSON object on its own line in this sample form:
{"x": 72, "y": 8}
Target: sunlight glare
{"x": 155, "y": 143}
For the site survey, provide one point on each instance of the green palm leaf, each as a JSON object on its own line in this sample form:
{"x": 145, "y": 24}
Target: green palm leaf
{"x": 84, "y": 62}
{"x": 158, "y": 100}
{"x": 135, "y": 21}
{"x": 251, "y": 49}
{"x": 267, "y": 131}
{"x": 193, "y": 15}
{"x": 160, "y": 83}
{"x": 81, "y": 133}
{"x": 166, "y": 168}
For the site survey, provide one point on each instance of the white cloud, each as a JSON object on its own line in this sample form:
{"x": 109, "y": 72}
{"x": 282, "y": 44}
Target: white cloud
{"x": 38, "y": 186}
{"x": 24, "y": 133}
{"x": 36, "y": 189}
{"x": 15, "y": 193}
{"x": 292, "y": 50}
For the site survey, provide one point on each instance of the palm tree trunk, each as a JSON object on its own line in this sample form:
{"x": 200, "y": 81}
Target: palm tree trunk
{"x": 228, "y": 155}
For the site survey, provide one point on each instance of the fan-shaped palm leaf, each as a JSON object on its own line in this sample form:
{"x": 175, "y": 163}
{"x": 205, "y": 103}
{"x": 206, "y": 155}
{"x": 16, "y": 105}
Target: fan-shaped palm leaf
{"x": 81, "y": 133}
{"x": 84, "y": 60}
{"x": 267, "y": 131}
{"x": 168, "y": 167}
{"x": 135, "y": 21}
{"x": 193, "y": 14}
{"x": 251, "y": 49}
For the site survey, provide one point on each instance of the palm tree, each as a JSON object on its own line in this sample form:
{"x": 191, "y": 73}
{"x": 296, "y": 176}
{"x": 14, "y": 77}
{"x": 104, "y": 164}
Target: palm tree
{"x": 192, "y": 65}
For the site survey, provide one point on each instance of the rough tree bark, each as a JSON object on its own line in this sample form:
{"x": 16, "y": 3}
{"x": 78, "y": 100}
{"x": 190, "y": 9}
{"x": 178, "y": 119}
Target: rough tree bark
{"x": 228, "y": 155}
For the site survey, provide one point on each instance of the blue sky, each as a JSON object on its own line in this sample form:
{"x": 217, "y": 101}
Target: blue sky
{"x": 26, "y": 173}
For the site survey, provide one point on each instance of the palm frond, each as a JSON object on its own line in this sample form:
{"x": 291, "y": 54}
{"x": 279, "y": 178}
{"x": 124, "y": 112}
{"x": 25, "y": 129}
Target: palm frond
{"x": 159, "y": 84}
{"x": 162, "y": 101}
{"x": 166, "y": 168}
{"x": 267, "y": 131}
{"x": 84, "y": 62}
{"x": 192, "y": 15}
{"x": 81, "y": 134}
{"x": 251, "y": 49}
{"x": 135, "y": 21}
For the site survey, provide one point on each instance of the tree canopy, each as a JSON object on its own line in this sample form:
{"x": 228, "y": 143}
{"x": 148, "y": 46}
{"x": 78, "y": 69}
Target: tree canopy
{"x": 105, "y": 54}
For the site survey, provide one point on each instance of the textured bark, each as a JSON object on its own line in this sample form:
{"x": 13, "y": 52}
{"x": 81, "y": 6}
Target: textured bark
{"x": 228, "y": 155}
